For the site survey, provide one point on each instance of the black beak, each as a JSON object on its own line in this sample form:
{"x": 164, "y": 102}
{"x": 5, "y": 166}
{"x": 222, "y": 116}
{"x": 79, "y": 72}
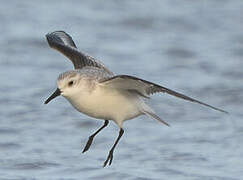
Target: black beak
{"x": 55, "y": 94}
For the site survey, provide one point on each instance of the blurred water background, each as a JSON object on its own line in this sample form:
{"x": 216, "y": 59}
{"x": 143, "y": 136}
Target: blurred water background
{"x": 193, "y": 47}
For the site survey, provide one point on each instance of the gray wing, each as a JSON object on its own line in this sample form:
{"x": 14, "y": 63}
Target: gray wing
{"x": 62, "y": 42}
{"x": 146, "y": 88}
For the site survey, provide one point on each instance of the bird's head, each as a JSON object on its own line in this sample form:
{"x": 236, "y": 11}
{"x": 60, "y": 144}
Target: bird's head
{"x": 69, "y": 84}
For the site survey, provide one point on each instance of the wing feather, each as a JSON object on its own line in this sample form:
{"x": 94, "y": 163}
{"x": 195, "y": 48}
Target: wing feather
{"x": 62, "y": 42}
{"x": 147, "y": 88}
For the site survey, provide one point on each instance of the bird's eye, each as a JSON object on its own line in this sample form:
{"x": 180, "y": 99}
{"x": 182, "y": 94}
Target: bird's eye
{"x": 70, "y": 83}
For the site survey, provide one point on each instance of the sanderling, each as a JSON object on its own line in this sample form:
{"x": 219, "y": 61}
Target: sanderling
{"x": 95, "y": 91}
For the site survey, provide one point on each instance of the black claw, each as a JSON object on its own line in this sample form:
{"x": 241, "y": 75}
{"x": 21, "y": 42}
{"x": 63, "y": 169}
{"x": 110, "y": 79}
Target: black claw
{"x": 109, "y": 158}
{"x": 88, "y": 144}
{"x": 105, "y": 163}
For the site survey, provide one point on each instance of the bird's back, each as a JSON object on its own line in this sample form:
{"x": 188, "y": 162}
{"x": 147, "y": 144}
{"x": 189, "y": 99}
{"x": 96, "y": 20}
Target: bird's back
{"x": 94, "y": 73}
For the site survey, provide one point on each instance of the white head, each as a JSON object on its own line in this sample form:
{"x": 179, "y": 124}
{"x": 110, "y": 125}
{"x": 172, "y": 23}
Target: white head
{"x": 69, "y": 84}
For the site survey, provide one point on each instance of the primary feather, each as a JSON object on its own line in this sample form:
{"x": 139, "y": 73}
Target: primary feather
{"x": 147, "y": 88}
{"x": 63, "y": 43}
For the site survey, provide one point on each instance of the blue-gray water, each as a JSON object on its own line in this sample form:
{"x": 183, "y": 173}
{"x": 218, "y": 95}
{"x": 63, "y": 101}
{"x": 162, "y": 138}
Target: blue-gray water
{"x": 194, "y": 47}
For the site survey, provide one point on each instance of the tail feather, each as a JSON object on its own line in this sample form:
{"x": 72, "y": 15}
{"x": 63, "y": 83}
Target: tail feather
{"x": 145, "y": 109}
{"x": 151, "y": 114}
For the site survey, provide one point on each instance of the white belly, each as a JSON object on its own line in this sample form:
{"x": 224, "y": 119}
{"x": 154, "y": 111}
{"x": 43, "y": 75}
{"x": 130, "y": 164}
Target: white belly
{"x": 107, "y": 104}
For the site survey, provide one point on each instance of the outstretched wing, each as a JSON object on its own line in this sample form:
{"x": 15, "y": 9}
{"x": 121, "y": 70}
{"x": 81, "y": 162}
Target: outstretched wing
{"x": 63, "y": 43}
{"x": 146, "y": 88}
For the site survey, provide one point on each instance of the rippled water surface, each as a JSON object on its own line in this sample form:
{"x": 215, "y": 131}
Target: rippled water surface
{"x": 194, "y": 47}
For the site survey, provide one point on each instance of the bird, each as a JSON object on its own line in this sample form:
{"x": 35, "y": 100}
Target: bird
{"x": 92, "y": 89}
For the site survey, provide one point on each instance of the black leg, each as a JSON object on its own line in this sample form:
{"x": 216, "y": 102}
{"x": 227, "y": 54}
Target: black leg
{"x": 93, "y": 135}
{"x": 110, "y": 156}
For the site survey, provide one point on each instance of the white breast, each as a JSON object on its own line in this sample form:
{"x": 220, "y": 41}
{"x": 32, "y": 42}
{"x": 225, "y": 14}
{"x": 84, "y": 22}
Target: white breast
{"x": 110, "y": 104}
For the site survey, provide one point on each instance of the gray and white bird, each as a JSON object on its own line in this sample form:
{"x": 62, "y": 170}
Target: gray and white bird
{"x": 94, "y": 90}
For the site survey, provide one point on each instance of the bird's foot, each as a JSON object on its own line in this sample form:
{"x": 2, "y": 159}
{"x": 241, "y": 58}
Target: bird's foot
{"x": 88, "y": 144}
{"x": 109, "y": 159}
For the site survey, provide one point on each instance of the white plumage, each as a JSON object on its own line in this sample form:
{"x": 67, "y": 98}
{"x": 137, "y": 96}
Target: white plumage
{"x": 95, "y": 91}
